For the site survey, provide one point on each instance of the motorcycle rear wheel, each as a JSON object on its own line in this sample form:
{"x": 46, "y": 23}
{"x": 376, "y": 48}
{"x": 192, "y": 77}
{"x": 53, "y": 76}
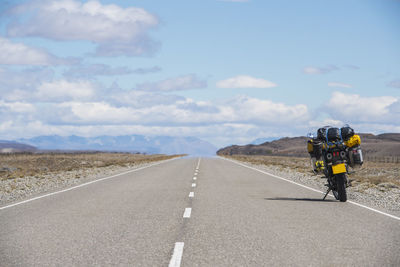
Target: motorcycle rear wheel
{"x": 335, "y": 194}
{"x": 333, "y": 187}
{"x": 341, "y": 187}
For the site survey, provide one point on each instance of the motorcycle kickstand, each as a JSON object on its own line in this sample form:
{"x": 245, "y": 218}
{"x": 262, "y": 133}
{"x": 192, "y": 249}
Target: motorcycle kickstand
{"x": 329, "y": 190}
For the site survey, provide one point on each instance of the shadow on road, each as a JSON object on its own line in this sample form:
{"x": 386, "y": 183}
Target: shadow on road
{"x": 300, "y": 199}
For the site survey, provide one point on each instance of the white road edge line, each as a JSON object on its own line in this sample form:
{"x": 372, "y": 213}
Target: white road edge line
{"x": 84, "y": 184}
{"x": 198, "y": 164}
{"x": 195, "y": 178}
{"x": 191, "y": 194}
{"x": 187, "y": 213}
{"x": 193, "y": 185}
{"x": 177, "y": 255}
{"x": 312, "y": 189}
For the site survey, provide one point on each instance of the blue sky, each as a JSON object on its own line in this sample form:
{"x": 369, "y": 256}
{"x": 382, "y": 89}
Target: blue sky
{"x": 224, "y": 71}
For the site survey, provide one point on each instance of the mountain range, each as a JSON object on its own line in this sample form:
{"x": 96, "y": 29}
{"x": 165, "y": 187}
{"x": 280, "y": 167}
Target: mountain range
{"x": 12, "y": 147}
{"x": 125, "y": 143}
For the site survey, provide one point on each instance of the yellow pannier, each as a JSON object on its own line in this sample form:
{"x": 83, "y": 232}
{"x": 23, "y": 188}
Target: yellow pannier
{"x": 355, "y": 140}
{"x": 310, "y": 146}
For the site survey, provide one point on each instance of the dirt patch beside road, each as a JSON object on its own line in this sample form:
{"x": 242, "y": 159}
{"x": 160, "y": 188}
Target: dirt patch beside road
{"x": 25, "y": 175}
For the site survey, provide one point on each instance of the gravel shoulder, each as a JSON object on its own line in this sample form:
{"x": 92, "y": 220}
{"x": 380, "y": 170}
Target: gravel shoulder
{"x": 13, "y": 190}
{"x": 384, "y": 196}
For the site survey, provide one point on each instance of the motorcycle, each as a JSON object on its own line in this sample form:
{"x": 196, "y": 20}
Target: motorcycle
{"x": 335, "y": 157}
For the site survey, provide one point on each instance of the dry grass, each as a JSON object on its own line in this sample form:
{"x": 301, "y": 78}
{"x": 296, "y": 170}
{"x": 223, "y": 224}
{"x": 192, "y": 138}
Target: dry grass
{"x": 372, "y": 173}
{"x": 378, "y": 173}
{"x": 20, "y": 165}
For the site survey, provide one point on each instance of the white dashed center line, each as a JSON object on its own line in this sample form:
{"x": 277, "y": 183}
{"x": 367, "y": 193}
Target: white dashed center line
{"x": 177, "y": 255}
{"x": 178, "y": 249}
{"x": 187, "y": 213}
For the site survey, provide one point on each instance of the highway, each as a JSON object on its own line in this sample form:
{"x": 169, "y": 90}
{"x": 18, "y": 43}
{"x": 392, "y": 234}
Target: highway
{"x": 195, "y": 212}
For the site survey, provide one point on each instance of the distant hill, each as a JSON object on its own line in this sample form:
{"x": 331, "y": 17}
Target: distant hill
{"x": 289, "y": 146}
{"x": 125, "y": 143}
{"x": 262, "y": 140}
{"x": 381, "y": 145}
{"x": 13, "y": 147}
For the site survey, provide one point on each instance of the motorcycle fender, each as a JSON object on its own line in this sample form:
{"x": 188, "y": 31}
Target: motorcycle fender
{"x": 339, "y": 168}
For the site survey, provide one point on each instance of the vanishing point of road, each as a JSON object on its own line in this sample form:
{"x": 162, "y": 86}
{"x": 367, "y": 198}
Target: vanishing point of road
{"x": 195, "y": 212}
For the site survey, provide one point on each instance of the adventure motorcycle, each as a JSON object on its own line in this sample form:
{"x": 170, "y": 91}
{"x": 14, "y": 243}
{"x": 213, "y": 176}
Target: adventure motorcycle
{"x": 339, "y": 150}
{"x": 335, "y": 157}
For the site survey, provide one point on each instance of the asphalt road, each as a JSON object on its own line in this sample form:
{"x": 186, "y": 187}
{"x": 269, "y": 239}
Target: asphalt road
{"x": 234, "y": 216}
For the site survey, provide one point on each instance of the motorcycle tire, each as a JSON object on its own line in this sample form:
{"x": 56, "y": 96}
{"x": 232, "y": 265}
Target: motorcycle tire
{"x": 341, "y": 187}
{"x": 333, "y": 187}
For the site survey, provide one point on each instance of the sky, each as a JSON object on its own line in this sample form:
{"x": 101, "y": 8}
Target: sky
{"x": 225, "y": 71}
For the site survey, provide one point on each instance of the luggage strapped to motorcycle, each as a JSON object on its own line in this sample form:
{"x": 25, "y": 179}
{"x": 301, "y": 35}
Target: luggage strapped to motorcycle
{"x": 327, "y": 140}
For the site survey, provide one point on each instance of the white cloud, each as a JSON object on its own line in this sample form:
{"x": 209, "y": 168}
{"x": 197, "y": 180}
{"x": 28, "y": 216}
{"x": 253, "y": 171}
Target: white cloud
{"x": 93, "y": 70}
{"x": 140, "y": 99}
{"x": 342, "y": 85}
{"x": 89, "y": 71}
{"x": 49, "y": 106}
{"x": 17, "y": 85}
{"x": 355, "y": 108}
{"x": 17, "y": 107}
{"x": 315, "y": 124}
{"x": 21, "y": 54}
{"x": 182, "y": 112}
{"x": 320, "y": 70}
{"x": 60, "y": 91}
{"x": 254, "y": 110}
{"x": 376, "y": 128}
{"x": 147, "y": 70}
{"x": 185, "y": 82}
{"x": 394, "y": 83}
{"x": 116, "y": 30}
{"x": 236, "y": 120}
{"x": 96, "y": 112}
{"x": 245, "y": 81}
